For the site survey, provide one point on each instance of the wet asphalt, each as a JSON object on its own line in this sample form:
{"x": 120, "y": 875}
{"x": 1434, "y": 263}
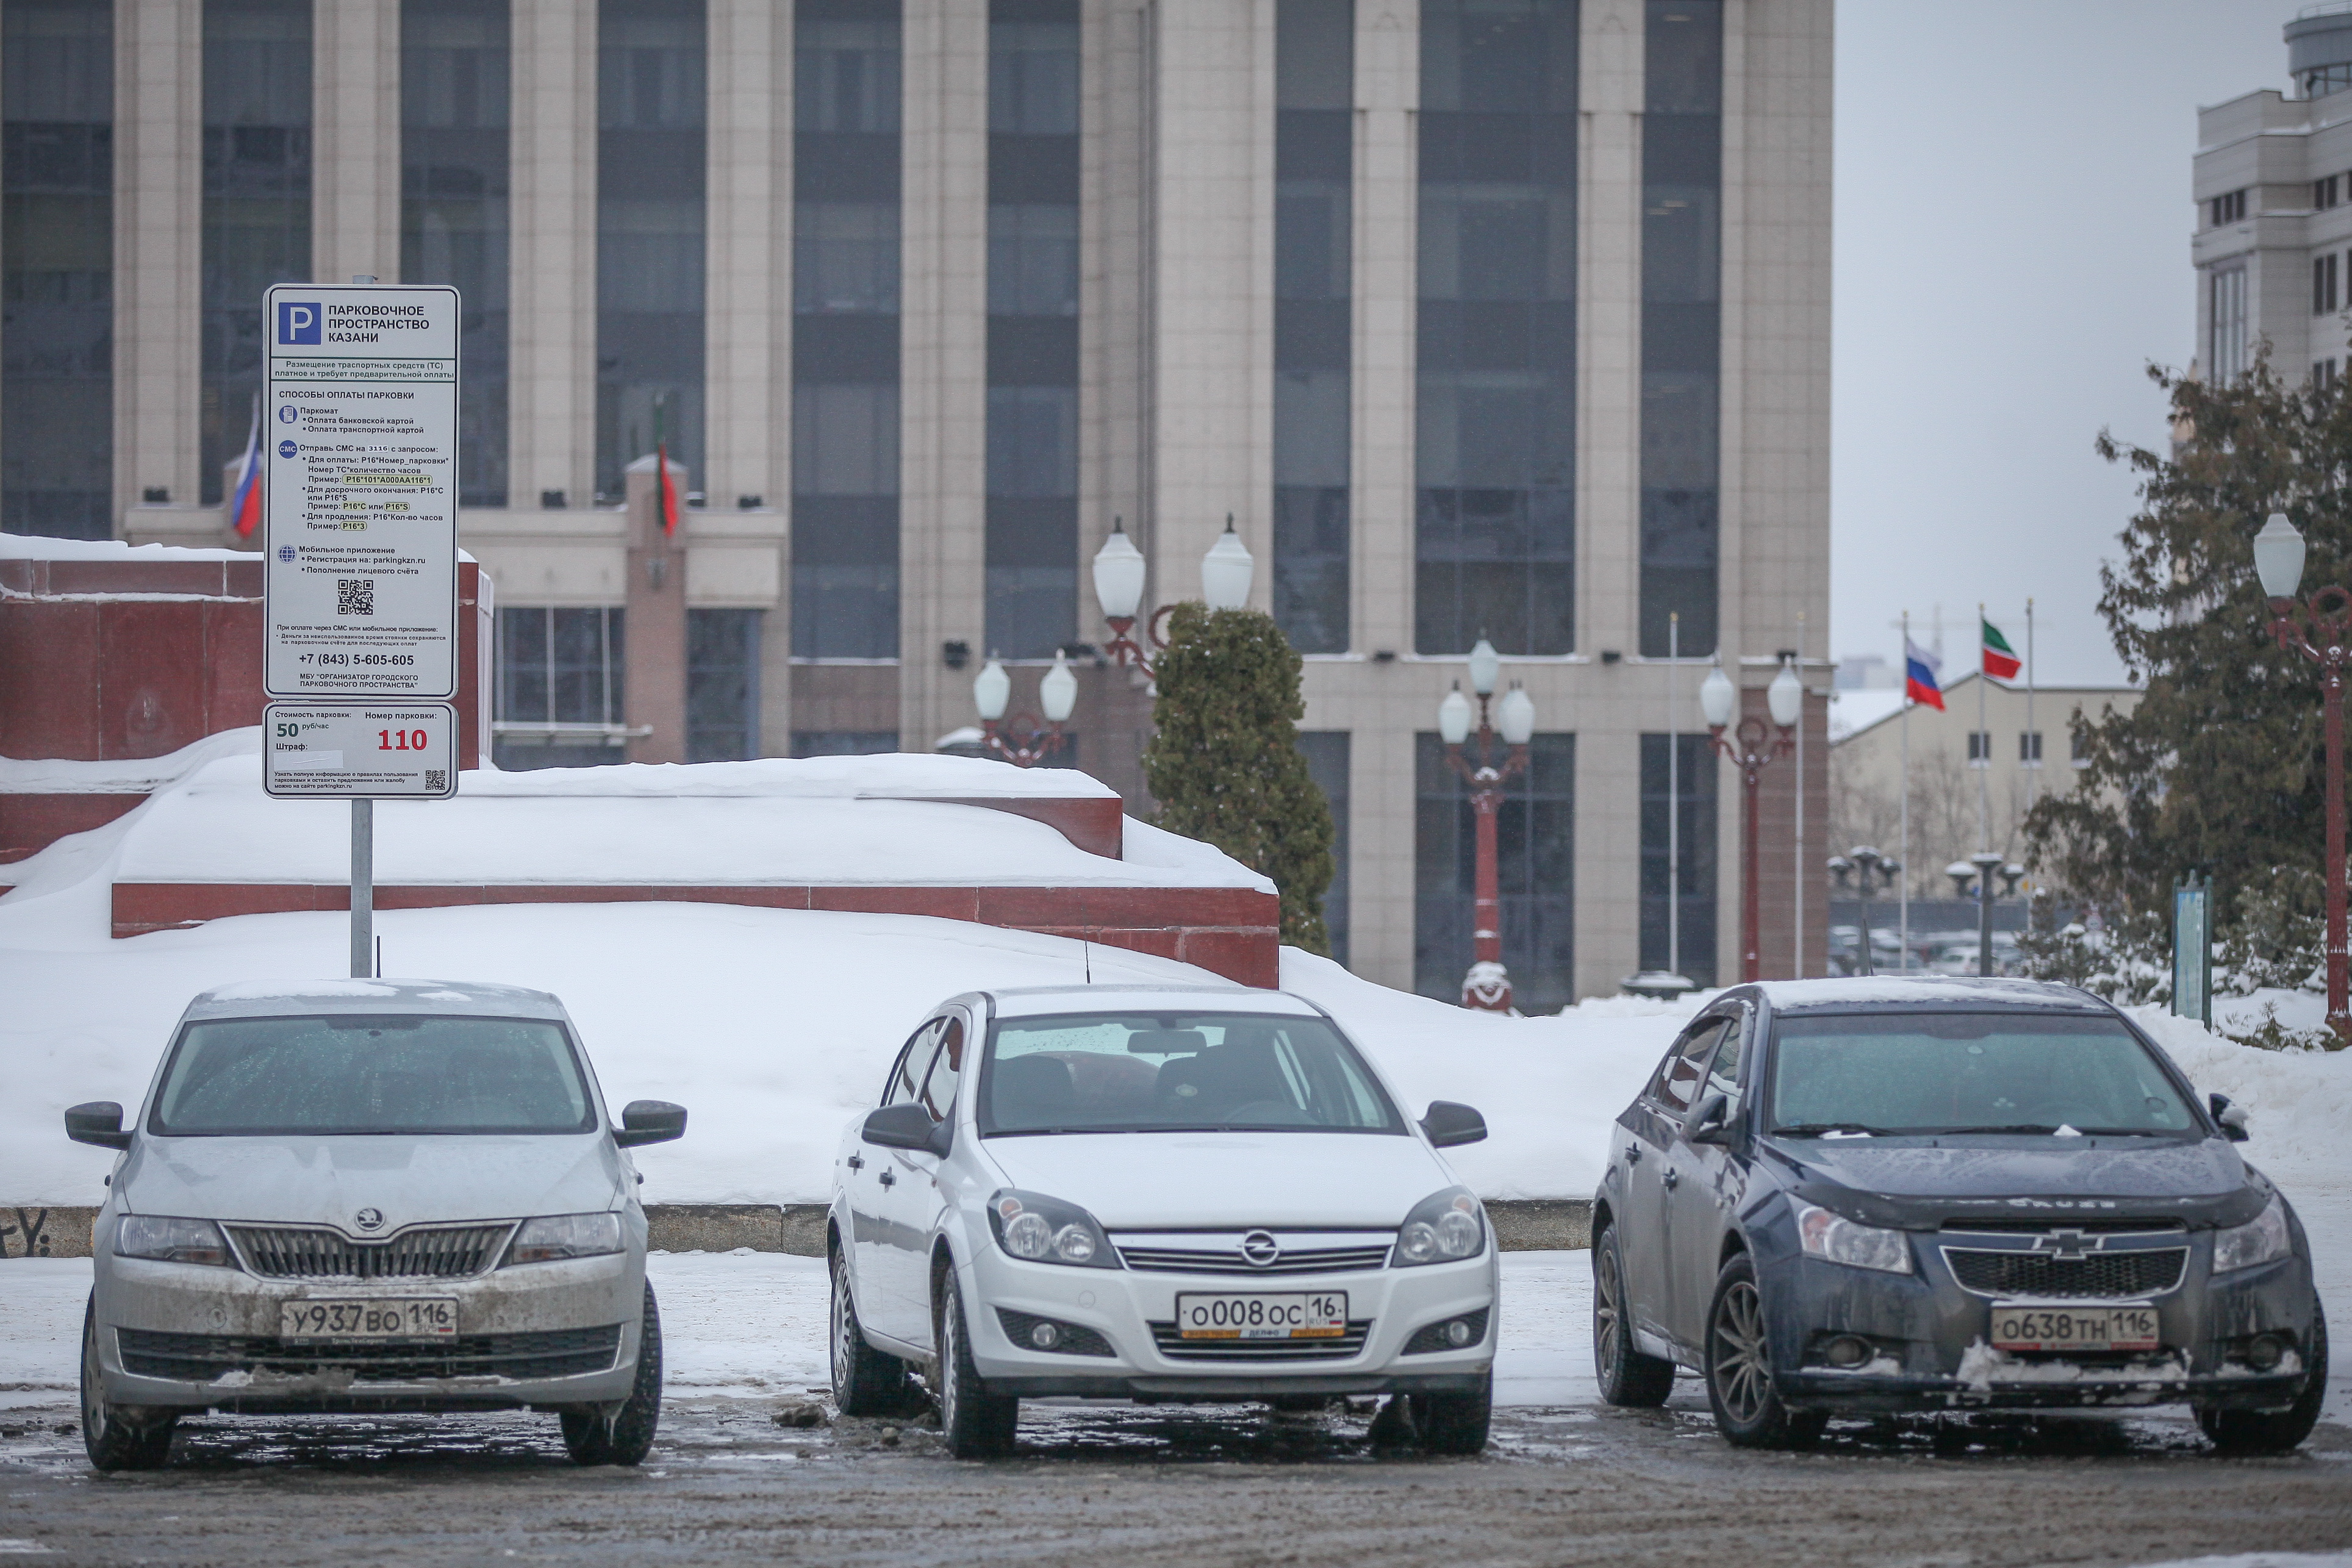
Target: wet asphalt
{"x": 1101, "y": 1482}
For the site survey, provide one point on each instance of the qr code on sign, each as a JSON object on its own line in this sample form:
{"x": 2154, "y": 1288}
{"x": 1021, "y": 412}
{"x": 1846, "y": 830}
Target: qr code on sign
{"x": 436, "y": 778}
{"x": 354, "y": 596}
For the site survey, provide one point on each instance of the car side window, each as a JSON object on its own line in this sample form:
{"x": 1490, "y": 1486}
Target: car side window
{"x": 947, "y": 1067}
{"x": 914, "y": 1061}
{"x": 1678, "y": 1075}
{"x": 1723, "y": 1072}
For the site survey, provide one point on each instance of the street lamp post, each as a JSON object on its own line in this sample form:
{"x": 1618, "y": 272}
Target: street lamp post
{"x": 1487, "y": 985}
{"x": 1752, "y": 748}
{"x": 1118, "y": 569}
{"x": 1027, "y": 743}
{"x": 1866, "y": 860}
{"x": 2320, "y": 629}
{"x": 1973, "y": 878}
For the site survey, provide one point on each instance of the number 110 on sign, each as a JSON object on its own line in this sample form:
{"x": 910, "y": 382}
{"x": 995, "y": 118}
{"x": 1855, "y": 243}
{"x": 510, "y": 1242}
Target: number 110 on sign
{"x": 400, "y": 741}
{"x": 361, "y": 751}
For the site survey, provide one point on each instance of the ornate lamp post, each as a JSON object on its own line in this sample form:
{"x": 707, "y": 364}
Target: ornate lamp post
{"x": 1752, "y": 746}
{"x": 2320, "y": 629}
{"x": 1225, "y": 572}
{"x": 1487, "y": 985}
{"x": 1973, "y": 879}
{"x": 1028, "y": 743}
{"x": 1866, "y": 860}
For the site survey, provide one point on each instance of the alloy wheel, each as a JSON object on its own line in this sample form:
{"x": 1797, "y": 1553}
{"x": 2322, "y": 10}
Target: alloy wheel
{"x": 1742, "y": 1376}
{"x": 951, "y": 1349}
{"x": 1607, "y": 1317}
{"x": 842, "y": 1367}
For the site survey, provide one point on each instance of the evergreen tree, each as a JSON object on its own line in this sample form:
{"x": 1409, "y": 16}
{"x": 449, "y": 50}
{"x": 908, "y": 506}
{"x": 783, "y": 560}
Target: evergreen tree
{"x": 1224, "y": 761}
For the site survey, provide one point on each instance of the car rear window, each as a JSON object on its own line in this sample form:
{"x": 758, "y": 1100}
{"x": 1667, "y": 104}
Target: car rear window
{"x": 348, "y": 1073}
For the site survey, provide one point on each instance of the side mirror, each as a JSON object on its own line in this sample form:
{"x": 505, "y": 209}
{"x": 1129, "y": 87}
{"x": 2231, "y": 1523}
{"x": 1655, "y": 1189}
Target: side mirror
{"x": 2233, "y": 1118}
{"x": 1712, "y": 1124}
{"x": 98, "y": 1122}
{"x": 649, "y": 1122}
{"x": 908, "y": 1126}
{"x": 1449, "y": 1124}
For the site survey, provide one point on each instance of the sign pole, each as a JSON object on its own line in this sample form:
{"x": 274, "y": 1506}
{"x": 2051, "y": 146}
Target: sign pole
{"x": 363, "y": 888}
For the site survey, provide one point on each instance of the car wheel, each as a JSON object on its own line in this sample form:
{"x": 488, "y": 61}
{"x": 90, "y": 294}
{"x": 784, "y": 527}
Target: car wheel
{"x": 2277, "y": 1431}
{"x": 1627, "y": 1376}
{"x": 1454, "y": 1423}
{"x": 628, "y": 1438}
{"x": 866, "y": 1381}
{"x": 978, "y": 1424}
{"x": 1748, "y": 1409}
{"x": 113, "y": 1441}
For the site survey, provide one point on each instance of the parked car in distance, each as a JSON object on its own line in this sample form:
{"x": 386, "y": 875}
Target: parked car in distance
{"x": 346, "y": 1196}
{"x": 1880, "y": 1195}
{"x": 1175, "y": 1194}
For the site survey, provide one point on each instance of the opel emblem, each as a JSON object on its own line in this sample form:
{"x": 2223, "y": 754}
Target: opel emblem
{"x": 1259, "y": 1250}
{"x": 369, "y": 1218}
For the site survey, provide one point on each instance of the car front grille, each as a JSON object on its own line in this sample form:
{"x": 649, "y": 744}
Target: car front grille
{"x": 1328, "y": 1253}
{"x": 2094, "y": 1276}
{"x": 427, "y": 1252}
{"x": 1338, "y": 1348}
{"x": 202, "y": 1357}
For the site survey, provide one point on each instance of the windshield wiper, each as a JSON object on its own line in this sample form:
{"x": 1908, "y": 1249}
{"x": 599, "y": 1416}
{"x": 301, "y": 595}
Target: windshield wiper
{"x": 1815, "y": 1130}
{"x": 2044, "y": 1128}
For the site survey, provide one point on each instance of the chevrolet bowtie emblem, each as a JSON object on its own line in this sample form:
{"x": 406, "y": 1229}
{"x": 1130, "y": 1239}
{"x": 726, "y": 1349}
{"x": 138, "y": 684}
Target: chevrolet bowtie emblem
{"x": 2067, "y": 1243}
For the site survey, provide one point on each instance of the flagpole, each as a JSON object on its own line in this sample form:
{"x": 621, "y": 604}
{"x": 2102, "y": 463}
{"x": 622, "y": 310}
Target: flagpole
{"x": 1798, "y": 945}
{"x": 1903, "y": 887}
{"x": 1984, "y": 739}
{"x": 2033, "y": 776}
{"x": 1673, "y": 798}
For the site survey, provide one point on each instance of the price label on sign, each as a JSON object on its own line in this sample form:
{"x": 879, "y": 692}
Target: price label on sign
{"x": 405, "y": 751}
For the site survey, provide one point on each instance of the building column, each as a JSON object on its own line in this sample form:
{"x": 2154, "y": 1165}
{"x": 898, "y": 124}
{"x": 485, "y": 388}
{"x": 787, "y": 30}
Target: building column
{"x": 552, "y": 400}
{"x": 355, "y": 140}
{"x": 1386, "y": 282}
{"x": 654, "y": 656}
{"x": 158, "y": 249}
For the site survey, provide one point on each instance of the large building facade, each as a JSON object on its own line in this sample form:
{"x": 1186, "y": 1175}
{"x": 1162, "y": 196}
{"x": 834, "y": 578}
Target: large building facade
{"x": 1475, "y": 316}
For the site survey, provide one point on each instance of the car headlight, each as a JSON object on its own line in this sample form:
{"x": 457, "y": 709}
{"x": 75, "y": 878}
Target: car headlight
{"x": 552, "y": 1236}
{"x": 1842, "y": 1241}
{"x": 1040, "y": 1229}
{"x": 172, "y": 1240}
{"x": 2261, "y": 1239}
{"x": 1443, "y": 1228}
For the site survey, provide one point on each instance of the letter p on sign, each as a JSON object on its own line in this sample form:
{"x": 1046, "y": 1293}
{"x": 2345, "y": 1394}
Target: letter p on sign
{"x": 296, "y": 323}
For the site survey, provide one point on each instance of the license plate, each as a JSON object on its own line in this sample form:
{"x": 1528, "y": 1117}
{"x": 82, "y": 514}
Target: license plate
{"x": 2021, "y": 1325}
{"x": 369, "y": 1317}
{"x": 1301, "y": 1314}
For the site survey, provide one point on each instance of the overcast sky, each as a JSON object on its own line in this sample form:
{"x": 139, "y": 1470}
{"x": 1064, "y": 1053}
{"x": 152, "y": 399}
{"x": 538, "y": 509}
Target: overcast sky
{"x": 2012, "y": 247}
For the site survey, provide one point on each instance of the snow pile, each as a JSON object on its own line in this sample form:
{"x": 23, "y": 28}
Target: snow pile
{"x": 2298, "y": 1103}
{"x": 37, "y": 547}
{"x": 122, "y": 775}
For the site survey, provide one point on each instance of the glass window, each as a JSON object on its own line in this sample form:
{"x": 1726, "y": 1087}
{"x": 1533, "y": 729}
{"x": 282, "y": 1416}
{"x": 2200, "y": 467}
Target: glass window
{"x": 1722, "y": 1074}
{"x": 1325, "y": 752}
{"x": 1676, "y": 1081}
{"x": 558, "y": 668}
{"x": 1534, "y": 861}
{"x": 843, "y": 742}
{"x": 914, "y": 1064}
{"x": 1687, "y": 789}
{"x": 722, "y": 685}
{"x": 947, "y": 1066}
{"x": 1314, "y": 156}
{"x": 2226, "y": 292}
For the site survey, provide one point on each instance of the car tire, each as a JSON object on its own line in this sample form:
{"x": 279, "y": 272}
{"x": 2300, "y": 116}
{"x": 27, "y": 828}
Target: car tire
{"x": 1739, "y": 1368}
{"x": 2277, "y": 1431}
{"x": 978, "y": 1424}
{"x": 1628, "y": 1378}
{"x": 629, "y": 1437}
{"x": 113, "y": 1440}
{"x": 866, "y": 1381}
{"x": 1454, "y": 1423}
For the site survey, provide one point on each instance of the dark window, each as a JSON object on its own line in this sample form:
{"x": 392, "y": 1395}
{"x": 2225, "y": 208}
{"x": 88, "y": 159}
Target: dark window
{"x": 1495, "y": 524}
{"x": 845, "y": 154}
{"x": 1676, "y": 1081}
{"x": 2228, "y": 209}
{"x": 257, "y": 212}
{"x": 1536, "y": 863}
{"x": 1325, "y": 752}
{"x": 722, "y": 685}
{"x": 651, "y": 95}
{"x": 1980, "y": 748}
{"x": 558, "y": 687}
{"x": 843, "y": 742}
{"x": 2323, "y": 191}
{"x": 2323, "y": 373}
{"x": 2029, "y": 748}
{"x": 2326, "y": 80}
{"x": 1314, "y": 76}
{"x": 2322, "y": 284}
{"x": 1688, "y": 789}
{"x": 455, "y": 60}
{"x": 2078, "y": 750}
{"x": 57, "y": 268}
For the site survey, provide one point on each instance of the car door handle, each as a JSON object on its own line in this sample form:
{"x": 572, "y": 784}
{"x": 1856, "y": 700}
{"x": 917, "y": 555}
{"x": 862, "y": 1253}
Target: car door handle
{"x": 855, "y": 1162}
{"x": 889, "y": 1180}
{"x": 1671, "y": 1176}
{"x": 1633, "y": 1155}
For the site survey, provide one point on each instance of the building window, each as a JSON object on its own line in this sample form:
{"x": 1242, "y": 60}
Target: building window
{"x": 2029, "y": 748}
{"x": 257, "y": 206}
{"x": 57, "y": 268}
{"x": 722, "y": 685}
{"x": 1537, "y": 860}
{"x": 1495, "y": 514}
{"x": 652, "y": 90}
{"x": 2325, "y": 192}
{"x": 1314, "y": 166}
{"x": 455, "y": 60}
{"x": 558, "y": 687}
{"x": 2322, "y": 284}
{"x": 1325, "y": 752}
{"x": 846, "y": 265}
{"x": 1980, "y": 748}
{"x": 1682, "y": 314}
{"x": 2226, "y": 341}
{"x": 2323, "y": 375}
{"x": 2326, "y": 80}
{"x": 1032, "y": 570}
{"x": 843, "y": 742}
{"x": 1690, "y": 793}
{"x": 2228, "y": 209}
{"x": 2078, "y": 753}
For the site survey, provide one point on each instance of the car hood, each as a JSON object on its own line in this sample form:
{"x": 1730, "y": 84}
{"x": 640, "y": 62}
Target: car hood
{"x": 410, "y": 1180}
{"x": 2013, "y": 1178}
{"x": 1142, "y": 1181}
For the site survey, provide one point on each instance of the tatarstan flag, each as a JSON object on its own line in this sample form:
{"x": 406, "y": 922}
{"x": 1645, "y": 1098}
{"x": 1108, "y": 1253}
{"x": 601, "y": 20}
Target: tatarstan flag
{"x": 2000, "y": 660}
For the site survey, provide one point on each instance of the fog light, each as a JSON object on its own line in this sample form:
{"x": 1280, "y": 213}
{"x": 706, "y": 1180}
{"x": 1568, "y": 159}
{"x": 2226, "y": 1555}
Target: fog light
{"x": 1457, "y": 1332}
{"x": 1045, "y": 1336}
{"x": 1847, "y": 1351}
{"x": 2265, "y": 1351}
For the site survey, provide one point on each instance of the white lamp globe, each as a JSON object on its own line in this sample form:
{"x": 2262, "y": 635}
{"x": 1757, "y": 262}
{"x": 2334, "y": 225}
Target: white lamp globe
{"x": 1717, "y": 697}
{"x": 1454, "y": 717}
{"x": 992, "y": 690}
{"x": 1059, "y": 691}
{"x": 1785, "y": 695}
{"x": 1485, "y": 668}
{"x": 2278, "y": 557}
{"x": 1225, "y": 571}
{"x": 1119, "y": 575}
{"x": 1516, "y": 716}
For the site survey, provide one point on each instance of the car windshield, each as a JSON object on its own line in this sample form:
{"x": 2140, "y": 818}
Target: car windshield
{"x": 349, "y": 1073}
{"x": 1980, "y": 1072}
{"x": 1130, "y": 1072}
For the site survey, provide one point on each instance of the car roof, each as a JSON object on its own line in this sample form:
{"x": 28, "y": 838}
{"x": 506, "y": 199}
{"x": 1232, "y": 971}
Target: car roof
{"x": 1871, "y": 993}
{"x": 281, "y": 999}
{"x": 1035, "y": 1001}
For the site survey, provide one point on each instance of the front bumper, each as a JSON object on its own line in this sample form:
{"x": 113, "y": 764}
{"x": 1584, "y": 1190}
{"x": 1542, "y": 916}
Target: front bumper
{"x": 543, "y": 1335}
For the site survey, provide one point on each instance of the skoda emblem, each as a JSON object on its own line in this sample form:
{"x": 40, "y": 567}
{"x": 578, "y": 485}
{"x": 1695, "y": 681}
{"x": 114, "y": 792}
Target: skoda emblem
{"x": 1259, "y": 1250}
{"x": 369, "y": 1218}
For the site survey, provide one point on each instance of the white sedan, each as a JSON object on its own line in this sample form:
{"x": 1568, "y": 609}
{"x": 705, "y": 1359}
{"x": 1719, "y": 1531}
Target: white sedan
{"x": 1181, "y": 1194}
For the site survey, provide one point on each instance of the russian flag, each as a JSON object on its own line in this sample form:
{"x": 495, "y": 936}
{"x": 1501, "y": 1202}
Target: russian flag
{"x": 245, "y": 508}
{"x": 1919, "y": 670}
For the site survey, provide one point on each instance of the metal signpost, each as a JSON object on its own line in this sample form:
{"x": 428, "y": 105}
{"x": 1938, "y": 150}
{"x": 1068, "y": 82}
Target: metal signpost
{"x": 360, "y": 569}
{"x": 2192, "y": 949}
